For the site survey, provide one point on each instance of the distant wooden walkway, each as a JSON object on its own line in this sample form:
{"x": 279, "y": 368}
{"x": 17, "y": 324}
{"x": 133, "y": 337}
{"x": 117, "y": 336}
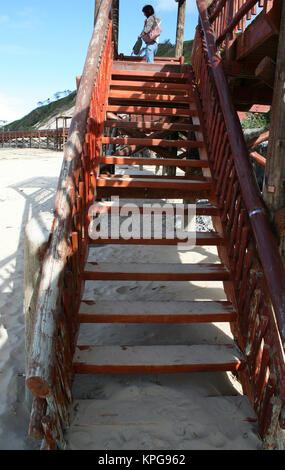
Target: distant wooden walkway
{"x": 53, "y": 139}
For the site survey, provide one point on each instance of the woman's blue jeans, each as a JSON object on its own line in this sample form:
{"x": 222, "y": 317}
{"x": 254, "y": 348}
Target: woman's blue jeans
{"x": 151, "y": 50}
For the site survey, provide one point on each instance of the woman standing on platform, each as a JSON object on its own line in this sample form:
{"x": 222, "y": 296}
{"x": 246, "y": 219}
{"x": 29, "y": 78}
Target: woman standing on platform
{"x": 152, "y": 26}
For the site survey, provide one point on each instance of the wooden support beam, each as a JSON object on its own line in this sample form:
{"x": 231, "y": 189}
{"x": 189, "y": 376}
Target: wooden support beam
{"x": 245, "y": 69}
{"x": 274, "y": 180}
{"x": 262, "y": 137}
{"x": 265, "y": 71}
{"x": 78, "y": 79}
{"x": 258, "y": 158}
{"x": 115, "y": 21}
{"x": 180, "y": 27}
{"x": 256, "y": 34}
{"x": 249, "y": 95}
{"x": 97, "y": 5}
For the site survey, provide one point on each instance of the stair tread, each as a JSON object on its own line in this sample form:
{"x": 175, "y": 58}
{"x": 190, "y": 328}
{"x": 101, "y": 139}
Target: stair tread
{"x": 151, "y": 142}
{"x": 156, "y": 311}
{"x": 156, "y": 271}
{"x": 149, "y": 73}
{"x": 146, "y": 207}
{"x": 118, "y": 160}
{"x": 176, "y": 358}
{"x": 156, "y": 267}
{"x": 195, "y": 239}
{"x": 153, "y": 183}
{"x": 158, "y": 96}
{"x": 126, "y": 412}
{"x": 153, "y": 110}
{"x": 142, "y": 85}
{"x": 145, "y": 183}
{"x": 152, "y": 126}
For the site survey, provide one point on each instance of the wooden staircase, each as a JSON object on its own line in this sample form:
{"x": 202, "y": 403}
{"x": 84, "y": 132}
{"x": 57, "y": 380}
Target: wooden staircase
{"x": 185, "y": 116}
{"x": 151, "y": 106}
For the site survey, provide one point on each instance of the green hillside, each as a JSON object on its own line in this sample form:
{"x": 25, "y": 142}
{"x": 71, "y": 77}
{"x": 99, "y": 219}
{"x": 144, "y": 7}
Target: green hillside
{"x": 166, "y": 49}
{"x": 39, "y": 116}
{"x": 42, "y": 114}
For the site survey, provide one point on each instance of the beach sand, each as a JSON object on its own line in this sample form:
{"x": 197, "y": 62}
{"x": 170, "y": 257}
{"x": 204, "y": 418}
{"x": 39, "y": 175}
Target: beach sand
{"x": 113, "y": 412}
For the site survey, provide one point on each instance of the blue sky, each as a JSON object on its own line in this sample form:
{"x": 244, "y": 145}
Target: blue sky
{"x": 43, "y": 45}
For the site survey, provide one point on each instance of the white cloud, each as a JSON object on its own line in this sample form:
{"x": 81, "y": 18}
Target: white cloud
{"x": 171, "y": 5}
{"x": 165, "y": 5}
{"x": 12, "y": 108}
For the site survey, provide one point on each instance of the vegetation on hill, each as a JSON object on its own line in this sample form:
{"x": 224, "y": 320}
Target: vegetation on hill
{"x": 256, "y": 120}
{"x": 42, "y": 114}
{"x": 166, "y": 49}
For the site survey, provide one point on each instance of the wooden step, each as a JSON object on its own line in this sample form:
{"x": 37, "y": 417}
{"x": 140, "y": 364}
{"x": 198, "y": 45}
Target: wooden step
{"x": 149, "y": 194}
{"x": 117, "y": 160}
{"x": 155, "y": 359}
{"x": 149, "y": 72}
{"x": 111, "y": 418}
{"x": 156, "y": 312}
{"x": 178, "y": 178}
{"x": 146, "y": 85}
{"x": 152, "y": 142}
{"x": 156, "y": 272}
{"x": 143, "y": 66}
{"x": 147, "y": 208}
{"x": 156, "y": 59}
{"x": 196, "y": 238}
{"x": 158, "y": 111}
{"x": 151, "y": 126}
{"x": 167, "y": 183}
{"x": 136, "y": 96}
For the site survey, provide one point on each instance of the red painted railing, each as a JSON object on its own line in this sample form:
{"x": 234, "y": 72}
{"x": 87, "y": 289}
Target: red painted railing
{"x": 229, "y": 17}
{"x": 50, "y": 371}
{"x": 253, "y": 258}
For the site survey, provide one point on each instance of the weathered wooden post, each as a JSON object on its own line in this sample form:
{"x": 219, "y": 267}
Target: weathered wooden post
{"x": 115, "y": 20}
{"x": 97, "y": 5}
{"x": 180, "y": 27}
{"x": 274, "y": 178}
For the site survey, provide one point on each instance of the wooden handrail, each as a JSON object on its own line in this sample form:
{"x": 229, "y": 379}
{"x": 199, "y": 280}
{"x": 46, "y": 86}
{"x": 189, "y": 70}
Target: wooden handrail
{"x": 265, "y": 240}
{"x": 217, "y": 9}
{"x": 263, "y": 137}
{"x": 258, "y": 158}
{"x": 230, "y": 16}
{"x": 236, "y": 19}
{"x": 42, "y": 351}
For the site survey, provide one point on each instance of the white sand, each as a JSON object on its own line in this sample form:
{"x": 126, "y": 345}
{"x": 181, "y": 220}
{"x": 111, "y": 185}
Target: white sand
{"x": 167, "y": 411}
{"x": 28, "y": 180}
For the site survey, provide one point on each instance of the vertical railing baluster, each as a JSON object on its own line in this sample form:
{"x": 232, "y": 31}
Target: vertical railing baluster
{"x": 263, "y": 375}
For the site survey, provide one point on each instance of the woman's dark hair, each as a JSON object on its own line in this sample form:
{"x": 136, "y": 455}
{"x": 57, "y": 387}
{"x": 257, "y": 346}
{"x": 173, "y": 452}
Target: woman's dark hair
{"x": 148, "y": 10}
